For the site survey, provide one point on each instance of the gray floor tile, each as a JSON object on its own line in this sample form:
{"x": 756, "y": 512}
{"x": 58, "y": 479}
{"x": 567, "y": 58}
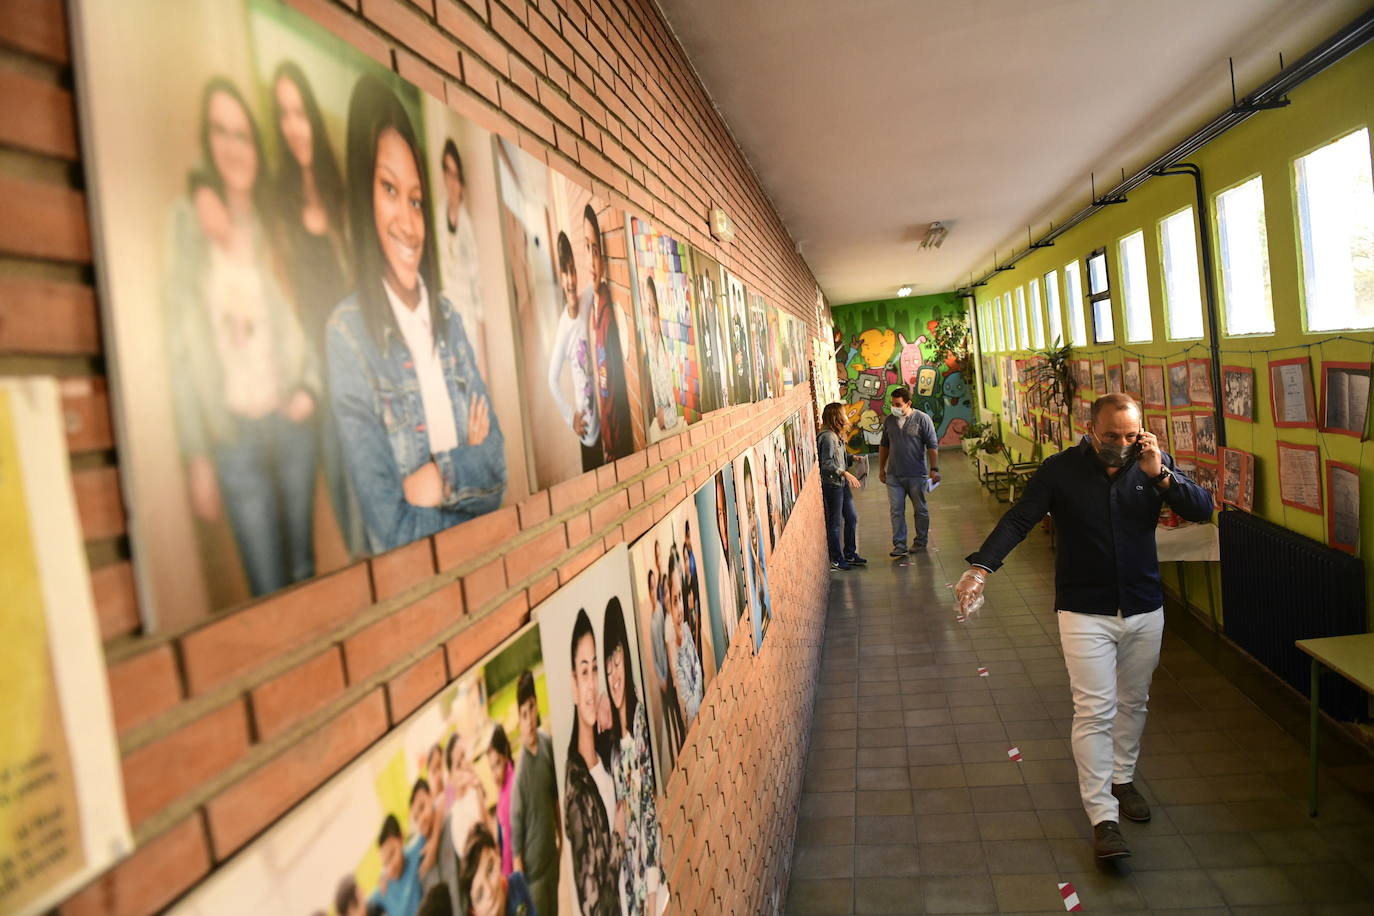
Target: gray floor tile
{"x": 820, "y": 897}
{"x": 952, "y": 858}
{"x": 887, "y": 895}
{"x": 883, "y": 802}
{"x": 894, "y": 861}
{"x": 959, "y": 894}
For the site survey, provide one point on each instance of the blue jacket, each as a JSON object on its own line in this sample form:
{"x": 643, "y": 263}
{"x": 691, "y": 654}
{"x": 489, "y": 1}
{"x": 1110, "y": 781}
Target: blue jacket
{"x": 375, "y": 395}
{"x": 1104, "y": 530}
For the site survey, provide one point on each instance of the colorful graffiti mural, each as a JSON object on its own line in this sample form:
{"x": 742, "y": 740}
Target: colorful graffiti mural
{"x": 887, "y": 343}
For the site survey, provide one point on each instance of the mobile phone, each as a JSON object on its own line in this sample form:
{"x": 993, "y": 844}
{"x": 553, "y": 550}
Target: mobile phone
{"x": 1134, "y": 451}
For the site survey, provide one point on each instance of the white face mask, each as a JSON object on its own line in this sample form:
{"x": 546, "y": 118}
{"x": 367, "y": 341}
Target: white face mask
{"x": 900, "y": 411}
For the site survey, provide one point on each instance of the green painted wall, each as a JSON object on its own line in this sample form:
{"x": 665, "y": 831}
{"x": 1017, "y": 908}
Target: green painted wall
{"x": 871, "y": 339}
{"x": 1325, "y": 108}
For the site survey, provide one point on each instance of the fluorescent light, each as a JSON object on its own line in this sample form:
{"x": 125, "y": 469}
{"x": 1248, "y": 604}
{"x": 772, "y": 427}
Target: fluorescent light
{"x": 903, "y": 291}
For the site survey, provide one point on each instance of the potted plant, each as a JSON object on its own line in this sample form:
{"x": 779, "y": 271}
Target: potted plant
{"x": 1052, "y": 377}
{"x": 950, "y": 337}
{"x": 973, "y": 436}
{"x": 991, "y": 443}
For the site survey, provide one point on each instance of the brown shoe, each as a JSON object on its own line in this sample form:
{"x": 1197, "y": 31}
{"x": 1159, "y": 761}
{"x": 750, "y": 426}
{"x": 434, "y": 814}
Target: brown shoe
{"x": 1133, "y": 805}
{"x": 1108, "y": 843}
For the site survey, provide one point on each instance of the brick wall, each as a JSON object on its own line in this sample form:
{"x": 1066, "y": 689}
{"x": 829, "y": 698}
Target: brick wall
{"x": 224, "y": 727}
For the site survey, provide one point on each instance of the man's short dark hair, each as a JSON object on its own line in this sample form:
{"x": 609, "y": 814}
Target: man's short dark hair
{"x": 345, "y": 895}
{"x": 390, "y": 828}
{"x": 479, "y": 841}
{"x": 500, "y": 743}
{"x": 421, "y": 785}
{"x": 565, "y": 253}
{"x": 524, "y": 689}
{"x": 901, "y": 392}
{"x": 1114, "y": 401}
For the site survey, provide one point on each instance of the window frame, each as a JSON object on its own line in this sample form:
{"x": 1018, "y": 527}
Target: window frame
{"x": 1220, "y": 267}
{"x": 1126, "y": 308}
{"x": 1037, "y": 314}
{"x": 1078, "y": 330}
{"x": 1102, "y": 295}
{"x": 1298, "y": 222}
{"x": 1197, "y": 272}
{"x": 1052, "y": 298}
{"x": 1022, "y": 319}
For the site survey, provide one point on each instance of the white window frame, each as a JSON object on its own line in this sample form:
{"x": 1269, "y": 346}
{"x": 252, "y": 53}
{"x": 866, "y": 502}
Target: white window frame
{"x": 1304, "y": 227}
{"x": 1022, "y": 319}
{"x": 1052, "y": 310}
{"x": 1224, "y": 274}
{"x": 1073, "y": 302}
{"x": 1037, "y": 315}
{"x": 1135, "y": 278}
{"x": 1166, "y": 285}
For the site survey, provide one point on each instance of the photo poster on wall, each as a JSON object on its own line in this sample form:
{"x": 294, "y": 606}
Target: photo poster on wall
{"x": 1343, "y": 518}
{"x": 1179, "y": 395}
{"x": 662, "y": 294}
{"x": 403, "y": 821}
{"x": 578, "y": 367}
{"x": 1182, "y": 426}
{"x": 1290, "y": 392}
{"x": 752, "y": 506}
{"x": 740, "y": 348}
{"x": 262, "y": 436}
{"x": 1300, "y": 478}
{"x": 713, "y": 330}
{"x": 1206, "y": 476}
{"x": 1200, "y": 382}
{"x": 63, "y": 819}
{"x": 760, "y": 356}
{"x": 1131, "y": 378}
{"x": 1099, "y": 376}
{"x": 1238, "y": 479}
{"x": 1152, "y": 378}
{"x": 606, "y": 776}
{"x": 1345, "y": 398}
{"x": 795, "y": 361}
{"x": 722, "y": 559}
{"x": 677, "y": 642}
{"x": 1238, "y": 393}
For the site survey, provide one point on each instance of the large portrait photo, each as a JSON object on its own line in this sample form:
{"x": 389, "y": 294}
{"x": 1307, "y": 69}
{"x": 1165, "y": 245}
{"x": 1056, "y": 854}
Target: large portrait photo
{"x": 740, "y": 351}
{"x": 577, "y": 353}
{"x": 664, "y": 314}
{"x": 722, "y": 560}
{"x": 456, "y": 810}
{"x": 751, "y": 501}
{"x": 713, "y": 324}
{"x": 298, "y": 351}
{"x": 612, "y": 860}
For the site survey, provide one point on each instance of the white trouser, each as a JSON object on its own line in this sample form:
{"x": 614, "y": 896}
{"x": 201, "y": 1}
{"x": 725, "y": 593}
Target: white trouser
{"x": 1110, "y": 661}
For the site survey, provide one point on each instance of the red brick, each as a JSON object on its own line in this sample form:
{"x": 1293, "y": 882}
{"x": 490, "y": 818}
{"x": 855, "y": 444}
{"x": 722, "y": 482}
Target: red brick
{"x": 297, "y": 694}
{"x": 630, "y": 465}
{"x": 415, "y": 70}
{"x": 655, "y": 482}
{"x": 526, "y": 113}
{"x": 99, "y": 504}
{"x": 534, "y": 509}
{"x": 523, "y": 77}
{"x": 160, "y": 773}
{"x": 116, "y": 604}
{"x": 144, "y": 687}
{"x": 481, "y": 112}
{"x": 397, "y": 570}
{"x": 581, "y": 561}
{"x": 486, "y": 633}
{"x": 86, "y": 412}
{"x": 516, "y": 35}
{"x": 535, "y": 555}
{"x": 579, "y": 528}
{"x": 346, "y": 26}
{"x": 239, "y": 642}
{"x": 484, "y": 583}
{"x": 413, "y": 686}
{"x": 472, "y": 32}
{"x": 40, "y": 116}
{"x": 472, "y": 539}
{"x": 155, "y": 875}
{"x": 559, "y": 106}
{"x": 548, "y": 36}
{"x": 481, "y": 79}
{"x": 569, "y": 493}
{"x": 252, "y": 803}
{"x": 414, "y": 31}
{"x": 638, "y": 523}
{"x": 47, "y": 317}
{"x": 542, "y": 589}
{"x": 605, "y": 477}
{"x": 397, "y": 635}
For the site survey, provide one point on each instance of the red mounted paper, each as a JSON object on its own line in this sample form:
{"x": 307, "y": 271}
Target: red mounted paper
{"x": 1178, "y": 385}
{"x": 1114, "y": 379}
{"x": 1238, "y": 478}
{"x": 1153, "y": 381}
{"x": 1130, "y": 379}
{"x": 1290, "y": 393}
{"x": 1300, "y": 484}
{"x": 1181, "y": 427}
{"x": 1099, "y": 376}
{"x": 1200, "y": 382}
{"x": 1343, "y": 497}
{"x": 1238, "y": 393}
{"x": 1345, "y": 398}
{"x": 1206, "y": 476}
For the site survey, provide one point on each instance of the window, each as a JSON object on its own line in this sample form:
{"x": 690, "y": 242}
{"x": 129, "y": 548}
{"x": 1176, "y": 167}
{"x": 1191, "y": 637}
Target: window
{"x": 1009, "y": 319}
{"x": 1245, "y": 259}
{"x": 1135, "y": 288}
{"x": 1073, "y": 302}
{"x": 997, "y": 322}
{"x": 1178, "y": 261}
{"x": 1037, "y": 319}
{"x": 1336, "y": 223}
{"x": 1052, "y": 309}
{"x": 1100, "y": 295}
{"x": 1022, "y": 325}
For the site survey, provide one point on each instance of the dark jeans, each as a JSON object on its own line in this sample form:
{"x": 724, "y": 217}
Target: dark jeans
{"x": 840, "y": 514}
{"x": 267, "y": 484}
{"x": 899, "y": 490}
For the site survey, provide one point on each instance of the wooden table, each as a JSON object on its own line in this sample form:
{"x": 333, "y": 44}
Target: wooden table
{"x": 1352, "y": 657}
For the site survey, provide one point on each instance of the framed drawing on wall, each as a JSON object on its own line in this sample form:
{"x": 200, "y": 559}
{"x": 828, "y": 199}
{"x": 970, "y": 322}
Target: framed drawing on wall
{"x": 1238, "y": 393}
{"x": 1154, "y": 398}
{"x": 1345, "y": 398}
{"x": 1130, "y": 377}
{"x": 1343, "y": 520}
{"x": 1238, "y": 479}
{"x": 1290, "y": 393}
{"x": 1205, "y": 435}
{"x": 1200, "y": 382}
{"x": 1300, "y": 476}
{"x": 1179, "y": 395}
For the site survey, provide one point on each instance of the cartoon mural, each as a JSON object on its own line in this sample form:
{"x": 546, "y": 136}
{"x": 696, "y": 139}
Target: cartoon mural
{"x": 883, "y": 344}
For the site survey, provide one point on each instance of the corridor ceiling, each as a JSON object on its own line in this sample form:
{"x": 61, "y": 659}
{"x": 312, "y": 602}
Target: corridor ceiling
{"x": 866, "y": 120}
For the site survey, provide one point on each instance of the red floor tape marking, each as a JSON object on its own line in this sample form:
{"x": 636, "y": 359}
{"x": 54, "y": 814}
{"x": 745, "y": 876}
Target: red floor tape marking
{"x": 982, "y": 672}
{"x": 1070, "y": 898}
{"x": 1014, "y": 753}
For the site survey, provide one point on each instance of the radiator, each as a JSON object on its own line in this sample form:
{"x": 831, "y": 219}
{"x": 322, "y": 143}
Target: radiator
{"x": 1278, "y": 586}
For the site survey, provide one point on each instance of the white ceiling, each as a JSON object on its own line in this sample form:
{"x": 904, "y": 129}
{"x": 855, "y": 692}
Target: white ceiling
{"x": 868, "y": 119}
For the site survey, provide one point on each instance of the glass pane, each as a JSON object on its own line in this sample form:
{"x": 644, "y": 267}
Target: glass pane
{"x": 1097, "y": 274}
{"x": 1103, "y": 330}
{"x": 1009, "y": 318}
{"x": 1245, "y": 259}
{"x": 1336, "y": 219}
{"x": 997, "y": 320}
{"x": 1073, "y": 303}
{"x": 1052, "y": 309}
{"x": 1037, "y": 319}
{"x": 1022, "y": 325}
{"x": 1182, "y": 290}
{"x": 1135, "y": 287}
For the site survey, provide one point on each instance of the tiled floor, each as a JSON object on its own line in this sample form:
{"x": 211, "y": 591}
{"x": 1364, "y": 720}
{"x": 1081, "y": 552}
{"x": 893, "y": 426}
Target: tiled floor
{"x": 911, "y": 804}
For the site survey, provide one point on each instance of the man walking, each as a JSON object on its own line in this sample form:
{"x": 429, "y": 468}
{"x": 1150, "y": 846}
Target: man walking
{"x": 1105, "y": 496}
{"x": 907, "y": 457}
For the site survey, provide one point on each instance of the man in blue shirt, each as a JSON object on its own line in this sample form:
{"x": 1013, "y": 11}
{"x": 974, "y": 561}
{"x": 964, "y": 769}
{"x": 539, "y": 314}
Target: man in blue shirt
{"x": 1105, "y": 495}
{"x": 908, "y": 455}
{"x": 399, "y": 887}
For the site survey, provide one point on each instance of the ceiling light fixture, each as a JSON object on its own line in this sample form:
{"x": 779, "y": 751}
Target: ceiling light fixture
{"x": 935, "y": 235}
{"x": 904, "y": 291}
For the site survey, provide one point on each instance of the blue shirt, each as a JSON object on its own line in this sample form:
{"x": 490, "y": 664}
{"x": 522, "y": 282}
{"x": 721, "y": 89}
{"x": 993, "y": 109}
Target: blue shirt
{"x": 906, "y": 443}
{"x": 1104, "y": 530}
{"x": 402, "y": 896}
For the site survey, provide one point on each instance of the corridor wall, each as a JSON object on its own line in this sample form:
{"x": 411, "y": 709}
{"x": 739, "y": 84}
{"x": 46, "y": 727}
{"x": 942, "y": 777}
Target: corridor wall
{"x": 227, "y": 723}
{"x": 1328, "y": 107}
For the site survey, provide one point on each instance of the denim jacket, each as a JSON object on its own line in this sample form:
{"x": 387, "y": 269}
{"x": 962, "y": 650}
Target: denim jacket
{"x": 375, "y": 395}
{"x": 830, "y": 452}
